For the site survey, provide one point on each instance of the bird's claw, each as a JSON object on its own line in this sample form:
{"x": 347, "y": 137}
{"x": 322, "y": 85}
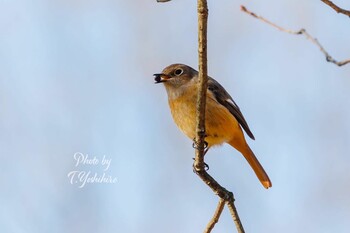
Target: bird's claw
{"x": 206, "y": 167}
{"x": 195, "y": 145}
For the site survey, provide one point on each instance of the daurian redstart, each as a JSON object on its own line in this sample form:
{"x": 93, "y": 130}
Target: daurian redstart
{"x": 223, "y": 118}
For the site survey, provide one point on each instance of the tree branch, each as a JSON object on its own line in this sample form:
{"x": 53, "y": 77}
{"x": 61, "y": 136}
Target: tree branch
{"x": 235, "y": 216}
{"x": 302, "y": 31}
{"x": 226, "y": 197}
{"x": 216, "y": 216}
{"x": 336, "y": 8}
{"x": 199, "y": 164}
{"x": 224, "y": 194}
{"x": 202, "y": 85}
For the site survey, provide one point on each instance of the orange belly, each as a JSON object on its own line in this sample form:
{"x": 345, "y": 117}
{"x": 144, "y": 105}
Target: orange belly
{"x": 221, "y": 126}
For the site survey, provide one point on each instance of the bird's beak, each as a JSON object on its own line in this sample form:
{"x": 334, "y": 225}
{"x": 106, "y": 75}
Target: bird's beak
{"x": 160, "y": 78}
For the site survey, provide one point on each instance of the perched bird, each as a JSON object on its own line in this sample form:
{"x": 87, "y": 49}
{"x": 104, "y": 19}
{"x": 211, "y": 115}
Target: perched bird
{"x": 223, "y": 118}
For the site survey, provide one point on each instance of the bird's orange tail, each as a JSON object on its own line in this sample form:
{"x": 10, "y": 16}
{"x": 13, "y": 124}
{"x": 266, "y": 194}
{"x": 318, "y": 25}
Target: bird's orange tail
{"x": 254, "y": 163}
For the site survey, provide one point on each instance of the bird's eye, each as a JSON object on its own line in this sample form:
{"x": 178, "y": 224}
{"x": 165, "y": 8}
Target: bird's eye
{"x": 178, "y": 72}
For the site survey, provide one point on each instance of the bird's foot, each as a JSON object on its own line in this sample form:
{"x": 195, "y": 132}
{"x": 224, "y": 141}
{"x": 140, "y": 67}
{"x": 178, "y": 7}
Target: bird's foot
{"x": 195, "y": 145}
{"x": 206, "y": 167}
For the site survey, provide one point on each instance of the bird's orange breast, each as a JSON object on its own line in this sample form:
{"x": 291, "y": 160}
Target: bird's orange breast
{"x": 221, "y": 125}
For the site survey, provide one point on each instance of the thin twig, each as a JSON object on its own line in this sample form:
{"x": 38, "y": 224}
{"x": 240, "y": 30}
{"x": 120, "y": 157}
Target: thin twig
{"x": 235, "y": 215}
{"x": 216, "y": 216}
{"x": 223, "y": 194}
{"x": 302, "y": 31}
{"x": 336, "y": 8}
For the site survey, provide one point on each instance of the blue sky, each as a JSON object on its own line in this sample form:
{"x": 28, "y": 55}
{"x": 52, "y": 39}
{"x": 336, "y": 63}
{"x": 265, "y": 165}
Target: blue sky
{"x": 76, "y": 76}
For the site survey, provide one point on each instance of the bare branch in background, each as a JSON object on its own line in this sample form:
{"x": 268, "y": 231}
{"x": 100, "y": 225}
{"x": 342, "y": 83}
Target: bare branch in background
{"x": 302, "y": 31}
{"x": 336, "y": 8}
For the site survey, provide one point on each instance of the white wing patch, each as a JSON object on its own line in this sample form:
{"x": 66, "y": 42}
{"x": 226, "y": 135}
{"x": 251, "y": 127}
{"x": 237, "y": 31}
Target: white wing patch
{"x": 231, "y": 102}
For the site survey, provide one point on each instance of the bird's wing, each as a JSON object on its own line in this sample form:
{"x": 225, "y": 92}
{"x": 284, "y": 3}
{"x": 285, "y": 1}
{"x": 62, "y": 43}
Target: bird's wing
{"x": 226, "y": 100}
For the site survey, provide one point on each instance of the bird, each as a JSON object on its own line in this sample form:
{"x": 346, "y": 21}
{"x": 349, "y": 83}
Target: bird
{"x": 223, "y": 118}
